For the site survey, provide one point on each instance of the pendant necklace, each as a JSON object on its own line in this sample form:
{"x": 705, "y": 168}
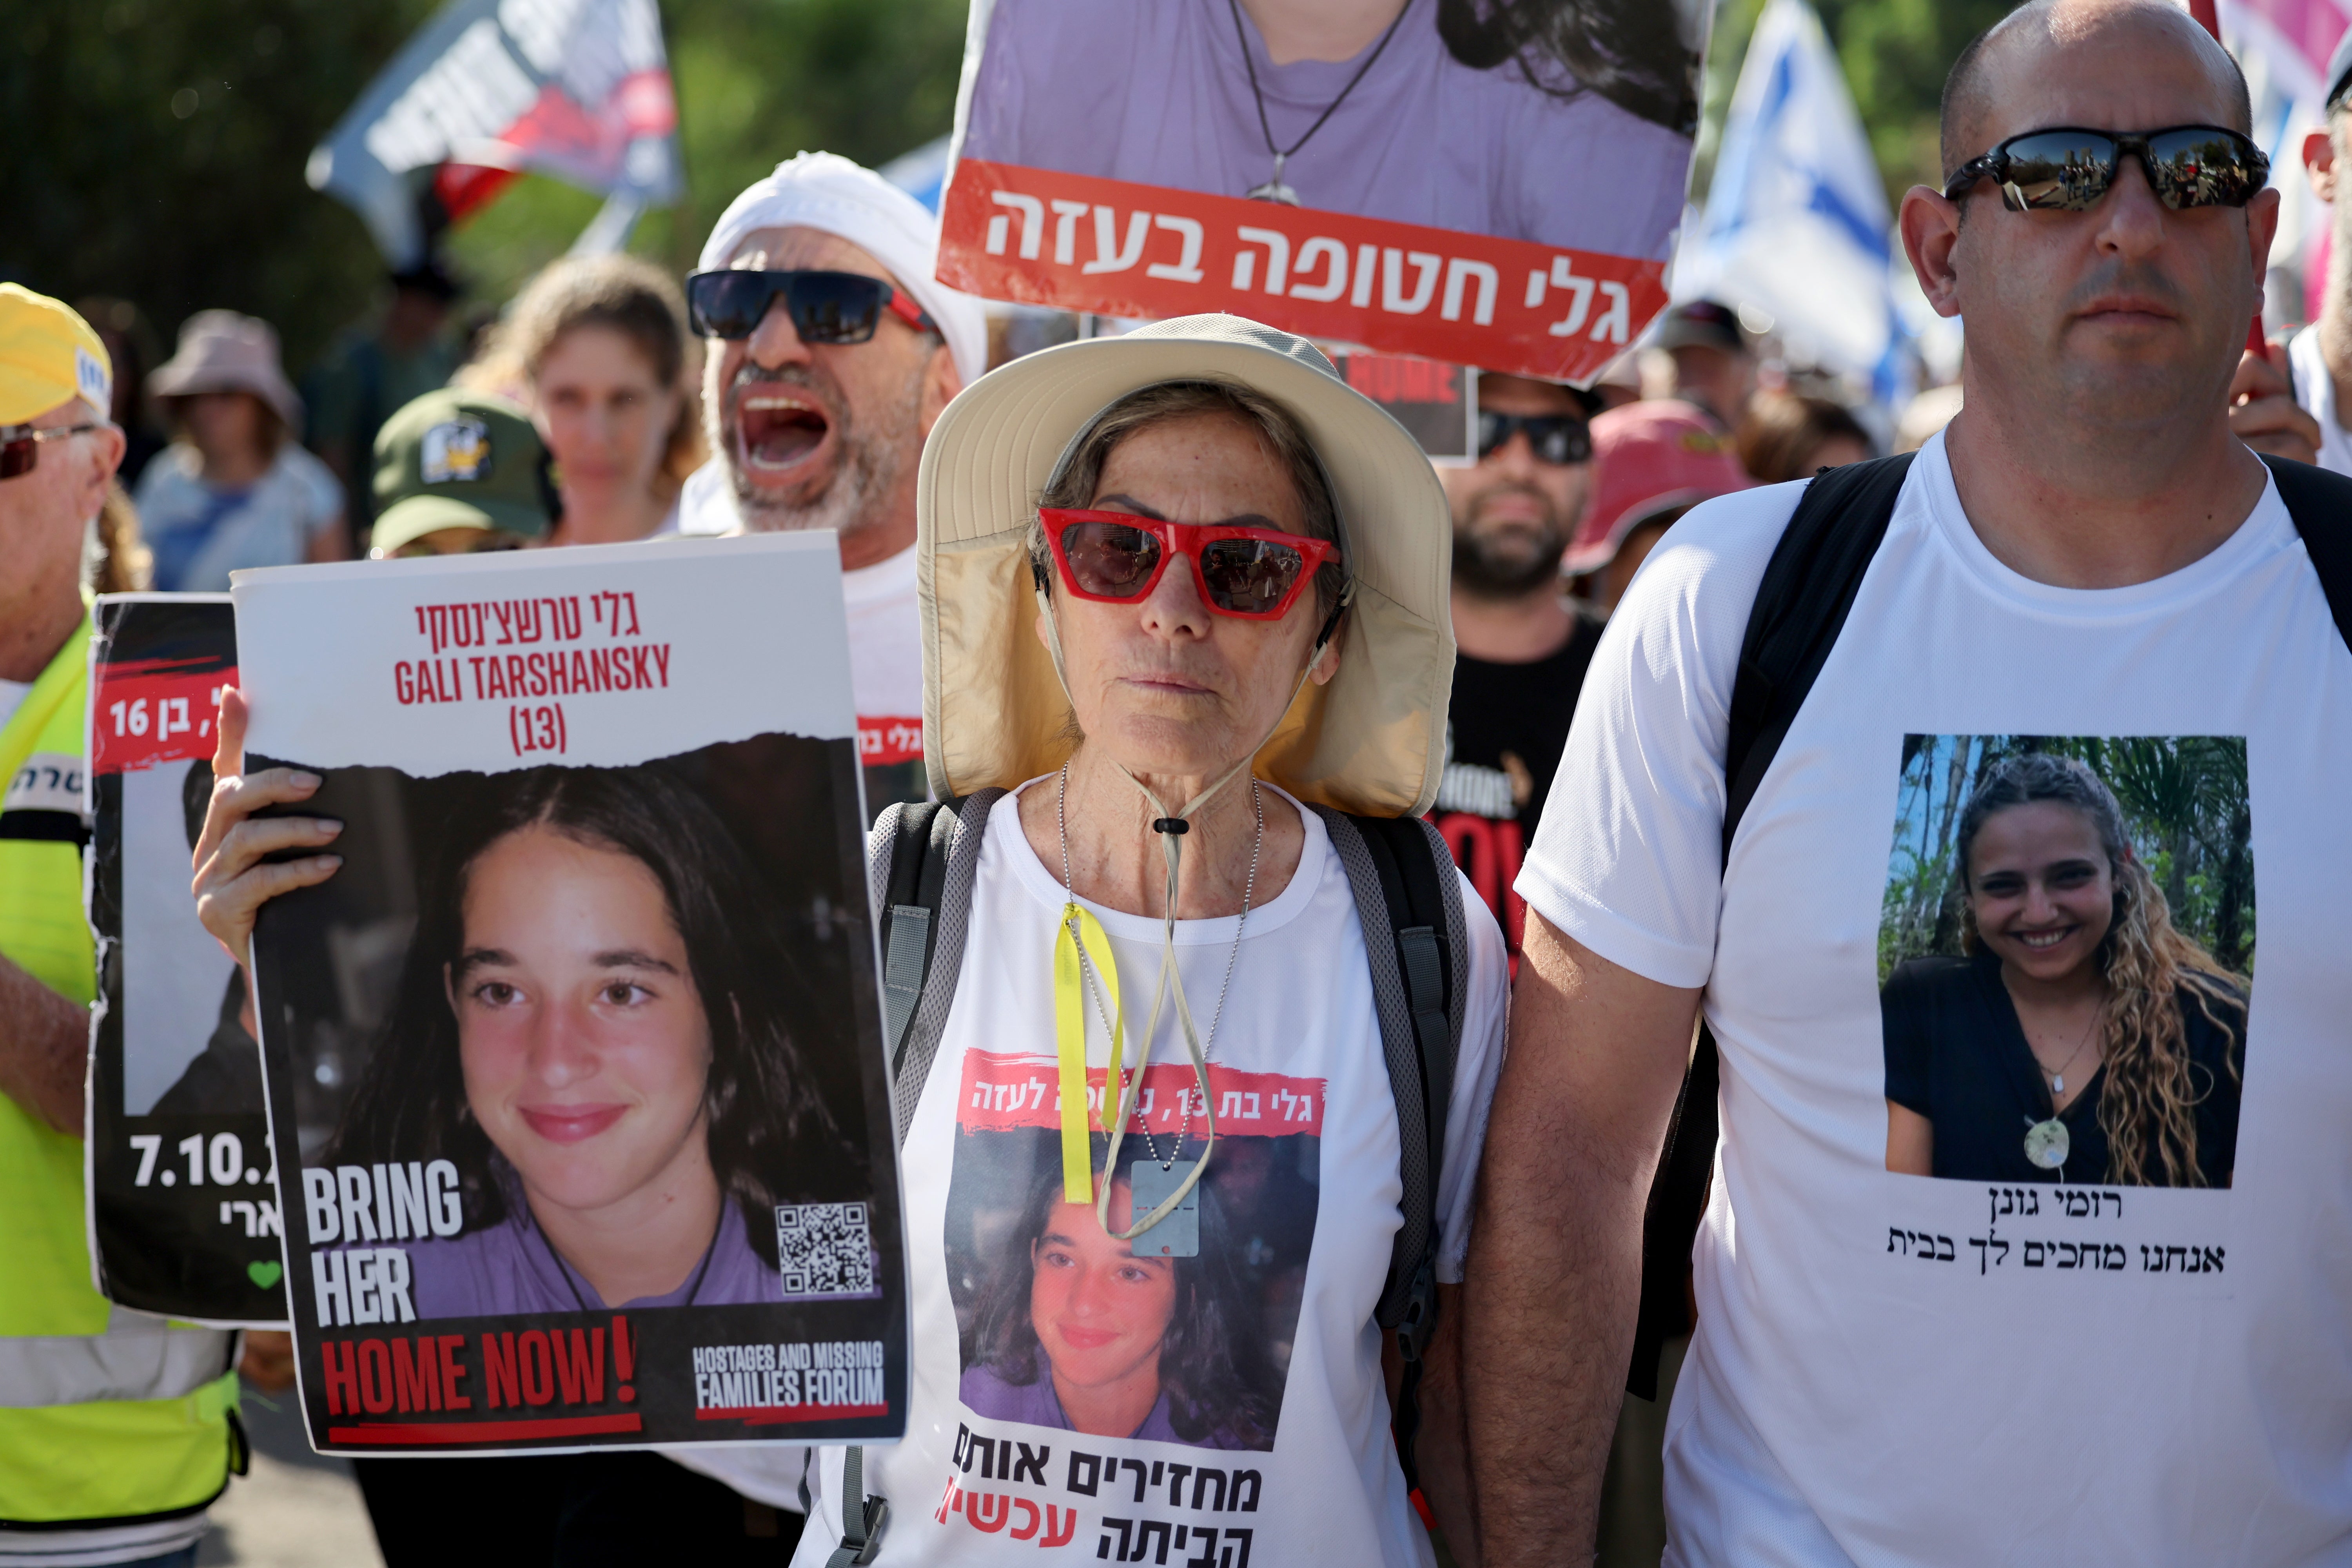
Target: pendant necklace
{"x": 1274, "y": 190}
{"x": 1249, "y": 891}
{"x": 2058, "y": 1079}
{"x": 2047, "y": 1143}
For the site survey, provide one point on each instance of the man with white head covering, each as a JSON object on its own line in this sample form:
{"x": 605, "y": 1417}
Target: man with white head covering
{"x": 831, "y": 352}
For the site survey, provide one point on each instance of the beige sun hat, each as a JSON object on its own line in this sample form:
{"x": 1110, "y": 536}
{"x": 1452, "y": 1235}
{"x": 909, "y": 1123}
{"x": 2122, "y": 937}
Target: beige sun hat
{"x": 221, "y": 351}
{"x": 1371, "y": 741}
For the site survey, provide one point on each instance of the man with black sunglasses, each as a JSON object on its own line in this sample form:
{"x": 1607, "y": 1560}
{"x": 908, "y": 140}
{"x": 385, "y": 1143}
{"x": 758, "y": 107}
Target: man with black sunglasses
{"x": 1522, "y": 645}
{"x": 829, "y": 352}
{"x": 1785, "y": 745}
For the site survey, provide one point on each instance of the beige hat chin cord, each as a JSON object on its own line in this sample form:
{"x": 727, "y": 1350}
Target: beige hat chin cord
{"x": 1172, "y": 827}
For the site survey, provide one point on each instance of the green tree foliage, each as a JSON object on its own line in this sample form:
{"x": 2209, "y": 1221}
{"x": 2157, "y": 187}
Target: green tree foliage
{"x": 157, "y": 146}
{"x": 156, "y": 151}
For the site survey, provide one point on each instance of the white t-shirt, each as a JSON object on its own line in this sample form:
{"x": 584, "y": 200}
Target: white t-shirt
{"x": 1895, "y": 1369}
{"x": 886, "y": 643}
{"x": 199, "y": 534}
{"x": 2315, "y": 390}
{"x": 12, "y": 697}
{"x": 1269, "y": 1441}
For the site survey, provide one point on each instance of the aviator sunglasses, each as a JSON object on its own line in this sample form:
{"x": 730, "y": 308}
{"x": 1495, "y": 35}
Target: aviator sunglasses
{"x": 1118, "y": 557}
{"x": 825, "y": 307}
{"x": 20, "y": 445}
{"x": 1555, "y": 438}
{"x": 2068, "y": 170}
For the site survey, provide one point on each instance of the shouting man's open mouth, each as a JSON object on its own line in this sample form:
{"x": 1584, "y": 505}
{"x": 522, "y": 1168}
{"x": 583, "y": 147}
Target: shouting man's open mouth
{"x": 784, "y": 431}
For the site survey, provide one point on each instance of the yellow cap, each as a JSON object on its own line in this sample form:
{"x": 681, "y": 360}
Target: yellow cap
{"x": 47, "y": 355}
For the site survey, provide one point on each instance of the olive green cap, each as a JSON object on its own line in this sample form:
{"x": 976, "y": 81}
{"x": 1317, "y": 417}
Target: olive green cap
{"x": 459, "y": 460}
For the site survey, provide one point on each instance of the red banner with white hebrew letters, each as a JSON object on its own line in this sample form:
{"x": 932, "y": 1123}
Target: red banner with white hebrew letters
{"x": 1119, "y": 249}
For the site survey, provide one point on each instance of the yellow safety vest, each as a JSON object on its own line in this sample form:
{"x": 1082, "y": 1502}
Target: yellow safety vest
{"x": 105, "y": 1416}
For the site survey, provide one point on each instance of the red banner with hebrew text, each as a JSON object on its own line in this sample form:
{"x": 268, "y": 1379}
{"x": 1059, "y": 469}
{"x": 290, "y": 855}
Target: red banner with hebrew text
{"x": 155, "y": 710}
{"x": 1119, "y": 249}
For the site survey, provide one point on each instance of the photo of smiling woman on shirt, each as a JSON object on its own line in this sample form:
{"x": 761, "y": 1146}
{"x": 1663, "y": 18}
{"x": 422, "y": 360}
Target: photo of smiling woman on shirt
{"x": 2082, "y": 1036}
{"x": 591, "y": 1025}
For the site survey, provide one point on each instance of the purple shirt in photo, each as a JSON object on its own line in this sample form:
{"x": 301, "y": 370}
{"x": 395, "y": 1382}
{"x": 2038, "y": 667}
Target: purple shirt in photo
{"x": 1156, "y": 92}
{"x": 510, "y": 1269}
{"x": 987, "y": 1395}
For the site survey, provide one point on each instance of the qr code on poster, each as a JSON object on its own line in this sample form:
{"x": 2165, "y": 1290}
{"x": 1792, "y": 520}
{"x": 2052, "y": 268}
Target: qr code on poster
{"x": 825, "y": 1249}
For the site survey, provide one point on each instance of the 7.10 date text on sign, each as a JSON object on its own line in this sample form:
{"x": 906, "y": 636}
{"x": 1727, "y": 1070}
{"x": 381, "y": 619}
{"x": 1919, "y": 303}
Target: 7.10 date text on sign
{"x": 1121, "y": 249}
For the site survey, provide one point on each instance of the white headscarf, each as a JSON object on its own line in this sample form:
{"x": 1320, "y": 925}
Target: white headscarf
{"x": 825, "y": 191}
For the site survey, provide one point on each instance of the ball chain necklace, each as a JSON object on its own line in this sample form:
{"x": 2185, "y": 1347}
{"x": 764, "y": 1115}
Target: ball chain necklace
{"x": 1274, "y": 190}
{"x": 1095, "y": 988}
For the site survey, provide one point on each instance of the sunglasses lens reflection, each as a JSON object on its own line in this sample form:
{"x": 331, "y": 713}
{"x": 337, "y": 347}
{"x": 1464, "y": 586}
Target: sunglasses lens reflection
{"x": 835, "y": 307}
{"x": 2200, "y": 169}
{"x": 727, "y": 304}
{"x": 1110, "y": 560}
{"x": 1250, "y": 576}
{"x": 826, "y": 307}
{"x": 18, "y": 456}
{"x": 2070, "y": 170}
{"x": 2063, "y": 170}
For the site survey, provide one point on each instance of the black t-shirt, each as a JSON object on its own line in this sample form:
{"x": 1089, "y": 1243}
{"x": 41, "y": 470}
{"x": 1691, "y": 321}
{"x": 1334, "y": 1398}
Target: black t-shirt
{"x": 226, "y": 1078}
{"x": 1508, "y": 725}
{"x": 1956, "y": 1054}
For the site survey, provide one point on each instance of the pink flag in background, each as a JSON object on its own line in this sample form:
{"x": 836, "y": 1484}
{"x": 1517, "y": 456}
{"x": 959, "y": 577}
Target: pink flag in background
{"x": 2283, "y": 46}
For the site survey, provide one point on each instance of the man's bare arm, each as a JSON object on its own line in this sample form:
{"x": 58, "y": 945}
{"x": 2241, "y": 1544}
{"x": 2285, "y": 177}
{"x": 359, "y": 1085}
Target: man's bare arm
{"x": 1555, "y": 1278}
{"x": 1439, "y": 1448}
{"x": 44, "y": 1048}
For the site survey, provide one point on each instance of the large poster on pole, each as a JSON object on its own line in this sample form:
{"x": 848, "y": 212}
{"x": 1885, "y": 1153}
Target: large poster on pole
{"x": 574, "y": 1065}
{"x": 1490, "y": 185}
{"x": 185, "y": 1219}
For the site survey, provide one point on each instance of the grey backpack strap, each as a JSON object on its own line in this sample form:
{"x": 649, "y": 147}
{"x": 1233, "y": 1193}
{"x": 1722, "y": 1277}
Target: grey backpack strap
{"x": 949, "y": 905}
{"x": 908, "y": 854}
{"x": 862, "y": 1516}
{"x": 921, "y": 859}
{"x": 1409, "y": 903}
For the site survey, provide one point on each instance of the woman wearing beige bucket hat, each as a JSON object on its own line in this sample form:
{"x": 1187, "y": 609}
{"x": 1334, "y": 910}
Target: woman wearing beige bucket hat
{"x": 1184, "y": 608}
{"x": 234, "y": 489}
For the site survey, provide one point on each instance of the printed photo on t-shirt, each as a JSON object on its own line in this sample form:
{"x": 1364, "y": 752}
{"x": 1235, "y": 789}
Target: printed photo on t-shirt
{"x": 2065, "y": 950}
{"x": 1065, "y": 1327}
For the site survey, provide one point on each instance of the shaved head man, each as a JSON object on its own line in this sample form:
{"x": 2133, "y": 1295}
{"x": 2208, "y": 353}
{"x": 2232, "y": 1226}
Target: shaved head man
{"x": 1942, "y": 1311}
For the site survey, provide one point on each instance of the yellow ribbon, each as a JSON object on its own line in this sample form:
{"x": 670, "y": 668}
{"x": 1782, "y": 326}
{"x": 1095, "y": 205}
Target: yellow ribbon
{"x": 1080, "y": 931}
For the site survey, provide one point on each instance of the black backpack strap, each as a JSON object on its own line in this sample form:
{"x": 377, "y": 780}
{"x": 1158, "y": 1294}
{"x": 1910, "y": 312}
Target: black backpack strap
{"x": 1409, "y": 902}
{"x": 1802, "y": 604}
{"x": 2320, "y": 502}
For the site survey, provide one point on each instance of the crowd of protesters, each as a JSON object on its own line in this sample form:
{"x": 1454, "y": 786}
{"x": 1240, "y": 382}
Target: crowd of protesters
{"x": 1607, "y": 542}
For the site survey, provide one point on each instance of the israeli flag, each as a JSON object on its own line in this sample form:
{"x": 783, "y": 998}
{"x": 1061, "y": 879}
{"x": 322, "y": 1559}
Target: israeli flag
{"x": 1796, "y": 225}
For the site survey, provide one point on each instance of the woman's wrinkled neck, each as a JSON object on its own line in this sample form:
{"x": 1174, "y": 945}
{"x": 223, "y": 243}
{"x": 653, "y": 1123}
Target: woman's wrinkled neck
{"x": 649, "y": 1241}
{"x": 1115, "y": 854}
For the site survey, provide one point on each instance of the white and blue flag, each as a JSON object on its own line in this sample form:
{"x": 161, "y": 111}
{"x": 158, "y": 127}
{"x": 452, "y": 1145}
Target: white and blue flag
{"x": 1796, "y": 225}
